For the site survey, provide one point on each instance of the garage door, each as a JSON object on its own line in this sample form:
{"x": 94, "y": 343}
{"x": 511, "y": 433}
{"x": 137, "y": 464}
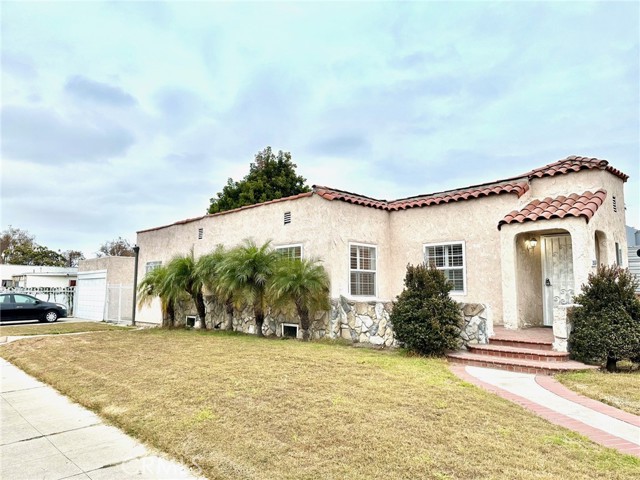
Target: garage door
{"x": 91, "y": 295}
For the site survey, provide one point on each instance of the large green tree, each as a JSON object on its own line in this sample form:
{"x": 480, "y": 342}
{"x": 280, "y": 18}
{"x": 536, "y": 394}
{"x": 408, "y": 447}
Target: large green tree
{"x": 303, "y": 285}
{"x": 10, "y": 239}
{"x": 270, "y": 177}
{"x": 246, "y": 271}
{"x": 120, "y": 247}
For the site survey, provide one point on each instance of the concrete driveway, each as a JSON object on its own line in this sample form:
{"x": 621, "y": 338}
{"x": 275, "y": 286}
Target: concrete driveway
{"x": 45, "y": 436}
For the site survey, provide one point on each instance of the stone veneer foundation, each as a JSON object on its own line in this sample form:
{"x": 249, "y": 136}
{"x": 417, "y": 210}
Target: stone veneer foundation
{"x": 357, "y": 322}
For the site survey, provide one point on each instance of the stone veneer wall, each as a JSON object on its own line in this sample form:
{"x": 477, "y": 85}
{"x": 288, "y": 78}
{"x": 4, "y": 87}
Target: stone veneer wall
{"x": 358, "y": 322}
{"x": 478, "y": 326}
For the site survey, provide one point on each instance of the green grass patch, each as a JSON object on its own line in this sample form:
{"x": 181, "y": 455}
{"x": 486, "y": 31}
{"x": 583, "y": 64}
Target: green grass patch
{"x": 620, "y": 390}
{"x": 56, "y": 328}
{"x": 240, "y": 407}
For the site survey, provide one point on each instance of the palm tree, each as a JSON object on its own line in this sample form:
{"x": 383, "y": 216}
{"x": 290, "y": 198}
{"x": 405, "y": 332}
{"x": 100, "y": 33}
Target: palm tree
{"x": 181, "y": 275}
{"x": 154, "y": 285}
{"x": 208, "y": 269}
{"x": 246, "y": 272}
{"x": 303, "y": 284}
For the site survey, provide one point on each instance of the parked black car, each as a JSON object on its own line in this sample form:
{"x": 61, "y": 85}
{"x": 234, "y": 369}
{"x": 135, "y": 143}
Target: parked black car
{"x": 18, "y": 306}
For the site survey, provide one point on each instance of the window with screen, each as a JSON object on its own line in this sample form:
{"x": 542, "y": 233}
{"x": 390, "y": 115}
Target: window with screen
{"x": 292, "y": 252}
{"x": 448, "y": 257}
{"x": 362, "y": 269}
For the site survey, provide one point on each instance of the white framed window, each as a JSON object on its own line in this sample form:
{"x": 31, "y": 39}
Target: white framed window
{"x": 289, "y": 330}
{"x": 450, "y": 258}
{"x": 151, "y": 266}
{"x": 292, "y": 252}
{"x": 190, "y": 321}
{"x": 362, "y": 270}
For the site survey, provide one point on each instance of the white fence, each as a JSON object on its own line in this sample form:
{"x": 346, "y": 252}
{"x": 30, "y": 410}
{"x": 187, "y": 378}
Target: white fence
{"x": 119, "y": 303}
{"x": 62, "y": 295}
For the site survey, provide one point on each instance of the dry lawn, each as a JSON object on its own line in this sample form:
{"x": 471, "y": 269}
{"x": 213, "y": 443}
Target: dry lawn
{"x": 620, "y": 390}
{"x": 56, "y": 328}
{"x": 239, "y": 407}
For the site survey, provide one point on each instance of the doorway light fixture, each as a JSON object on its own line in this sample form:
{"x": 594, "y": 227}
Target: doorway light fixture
{"x": 531, "y": 243}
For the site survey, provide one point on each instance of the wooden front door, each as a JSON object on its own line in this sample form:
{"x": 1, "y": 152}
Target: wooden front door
{"x": 557, "y": 274}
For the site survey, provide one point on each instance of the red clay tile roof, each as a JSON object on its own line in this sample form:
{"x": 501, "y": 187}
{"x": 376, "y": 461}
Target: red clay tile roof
{"x": 574, "y": 163}
{"x": 519, "y": 188}
{"x": 585, "y": 205}
{"x": 328, "y": 193}
{"x": 518, "y": 185}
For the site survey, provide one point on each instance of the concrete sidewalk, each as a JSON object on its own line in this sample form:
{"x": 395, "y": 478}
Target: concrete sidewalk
{"x": 44, "y": 435}
{"x": 548, "y": 398}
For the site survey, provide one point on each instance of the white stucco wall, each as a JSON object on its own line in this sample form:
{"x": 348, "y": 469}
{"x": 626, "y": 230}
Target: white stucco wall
{"x": 325, "y": 229}
{"x": 119, "y": 269}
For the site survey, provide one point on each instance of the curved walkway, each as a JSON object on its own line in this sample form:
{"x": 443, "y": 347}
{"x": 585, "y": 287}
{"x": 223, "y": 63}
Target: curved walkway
{"x": 551, "y": 400}
{"x": 45, "y": 435}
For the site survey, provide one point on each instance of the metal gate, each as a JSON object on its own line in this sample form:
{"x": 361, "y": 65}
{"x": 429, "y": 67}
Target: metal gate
{"x": 119, "y": 305}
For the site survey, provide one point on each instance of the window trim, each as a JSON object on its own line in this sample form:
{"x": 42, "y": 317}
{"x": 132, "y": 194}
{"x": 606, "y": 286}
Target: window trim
{"x": 190, "y": 317}
{"x": 291, "y": 245}
{"x": 282, "y": 325}
{"x": 154, "y": 264}
{"x": 376, "y": 278}
{"x": 464, "y": 262}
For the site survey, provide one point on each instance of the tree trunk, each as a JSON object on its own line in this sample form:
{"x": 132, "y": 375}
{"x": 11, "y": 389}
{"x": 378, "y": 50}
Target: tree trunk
{"x": 171, "y": 314}
{"x": 259, "y": 314}
{"x": 612, "y": 364}
{"x": 229, "y": 308}
{"x": 200, "y": 308}
{"x": 305, "y": 323}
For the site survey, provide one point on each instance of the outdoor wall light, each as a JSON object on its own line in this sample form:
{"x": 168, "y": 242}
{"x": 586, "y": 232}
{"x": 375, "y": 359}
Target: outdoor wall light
{"x": 531, "y": 243}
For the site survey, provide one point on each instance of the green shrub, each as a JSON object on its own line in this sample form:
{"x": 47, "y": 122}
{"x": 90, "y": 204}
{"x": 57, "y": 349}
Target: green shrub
{"x": 424, "y": 318}
{"x": 606, "y": 327}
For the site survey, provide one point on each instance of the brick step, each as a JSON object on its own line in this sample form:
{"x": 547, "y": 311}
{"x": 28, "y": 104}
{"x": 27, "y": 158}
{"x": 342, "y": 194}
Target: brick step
{"x": 505, "y": 351}
{"x": 521, "y": 343}
{"x": 516, "y": 364}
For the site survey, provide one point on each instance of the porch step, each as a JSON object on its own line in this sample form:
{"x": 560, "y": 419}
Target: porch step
{"x": 508, "y": 351}
{"x": 521, "y": 343}
{"x": 517, "y": 364}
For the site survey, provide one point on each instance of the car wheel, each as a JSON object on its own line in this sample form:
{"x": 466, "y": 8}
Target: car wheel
{"x": 51, "y": 316}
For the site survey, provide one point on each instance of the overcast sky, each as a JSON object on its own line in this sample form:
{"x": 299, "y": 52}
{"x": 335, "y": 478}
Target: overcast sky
{"x": 121, "y": 116}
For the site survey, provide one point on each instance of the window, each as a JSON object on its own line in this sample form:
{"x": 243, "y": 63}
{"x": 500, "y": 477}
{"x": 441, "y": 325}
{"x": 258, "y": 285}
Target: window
{"x": 287, "y": 218}
{"x": 290, "y": 330}
{"x": 618, "y": 255}
{"x": 200, "y": 233}
{"x": 362, "y": 269}
{"x": 151, "y": 266}
{"x": 190, "y": 321}
{"x": 24, "y": 299}
{"x": 292, "y": 252}
{"x": 450, "y": 259}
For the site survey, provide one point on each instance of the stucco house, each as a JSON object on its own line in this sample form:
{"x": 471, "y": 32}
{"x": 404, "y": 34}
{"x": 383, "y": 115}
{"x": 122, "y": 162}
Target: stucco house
{"x": 516, "y": 250}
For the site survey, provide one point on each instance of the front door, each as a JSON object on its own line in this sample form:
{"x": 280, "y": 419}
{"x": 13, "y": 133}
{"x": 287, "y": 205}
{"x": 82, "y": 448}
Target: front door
{"x": 557, "y": 274}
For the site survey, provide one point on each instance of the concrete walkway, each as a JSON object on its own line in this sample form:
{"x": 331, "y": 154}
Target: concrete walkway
{"x": 45, "y": 436}
{"x": 551, "y": 400}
